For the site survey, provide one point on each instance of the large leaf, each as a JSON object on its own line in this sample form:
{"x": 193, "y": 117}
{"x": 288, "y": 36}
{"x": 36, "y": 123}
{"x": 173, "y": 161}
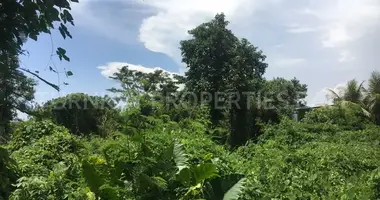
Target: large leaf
{"x": 234, "y": 192}
{"x": 205, "y": 171}
{"x": 180, "y": 157}
{"x": 92, "y": 177}
{"x": 222, "y": 184}
{"x": 185, "y": 177}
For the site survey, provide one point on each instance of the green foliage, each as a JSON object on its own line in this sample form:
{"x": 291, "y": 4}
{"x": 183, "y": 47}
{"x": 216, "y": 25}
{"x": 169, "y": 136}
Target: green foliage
{"x": 27, "y": 19}
{"x": 19, "y": 21}
{"x": 234, "y": 192}
{"x": 16, "y": 92}
{"x": 283, "y": 95}
{"x": 311, "y": 161}
{"x": 373, "y": 97}
{"x": 28, "y": 132}
{"x": 348, "y": 117}
{"x": 83, "y": 114}
{"x": 8, "y": 175}
{"x": 48, "y": 162}
{"x": 225, "y": 68}
{"x": 356, "y": 94}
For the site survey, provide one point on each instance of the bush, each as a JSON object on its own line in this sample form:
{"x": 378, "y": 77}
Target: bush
{"x": 83, "y": 114}
{"x": 349, "y": 117}
{"x": 28, "y": 132}
{"x": 48, "y": 162}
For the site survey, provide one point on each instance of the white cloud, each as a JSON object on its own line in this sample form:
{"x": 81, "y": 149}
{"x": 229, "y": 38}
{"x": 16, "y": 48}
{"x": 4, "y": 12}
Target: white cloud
{"x": 296, "y": 28}
{"x": 343, "y": 21}
{"x": 346, "y": 56}
{"x": 163, "y": 31}
{"x": 287, "y": 62}
{"x": 341, "y": 34}
{"x": 113, "y": 67}
{"x": 325, "y": 96}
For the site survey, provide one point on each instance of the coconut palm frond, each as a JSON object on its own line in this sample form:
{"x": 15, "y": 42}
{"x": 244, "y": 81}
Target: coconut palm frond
{"x": 374, "y": 83}
{"x": 347, "y": 104}
{"x": 336, "y": 96}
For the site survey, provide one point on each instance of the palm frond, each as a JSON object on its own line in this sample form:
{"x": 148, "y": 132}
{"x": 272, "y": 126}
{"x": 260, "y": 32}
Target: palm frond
{"x": 374, "y": 83}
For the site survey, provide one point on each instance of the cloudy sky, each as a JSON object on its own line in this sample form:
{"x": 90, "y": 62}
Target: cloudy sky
{"x": 324, "y": 43}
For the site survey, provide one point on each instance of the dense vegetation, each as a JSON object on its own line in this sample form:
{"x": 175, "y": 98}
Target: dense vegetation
{"x": 220, "y": 131}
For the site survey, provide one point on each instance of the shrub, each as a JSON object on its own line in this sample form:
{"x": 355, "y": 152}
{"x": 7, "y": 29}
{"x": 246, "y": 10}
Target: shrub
{"x": 28, "y": 132}
{"x": 48, "y": 162}
{"x": 348, "y": 117}
{"x": 83, "y": 114}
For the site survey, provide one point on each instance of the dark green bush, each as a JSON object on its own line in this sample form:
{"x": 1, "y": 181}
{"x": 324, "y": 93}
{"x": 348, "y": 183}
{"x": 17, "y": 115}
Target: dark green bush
{"x": 28, "y": 132}
{"x": 48, "y": 162}
{"x": 83, "y": 114}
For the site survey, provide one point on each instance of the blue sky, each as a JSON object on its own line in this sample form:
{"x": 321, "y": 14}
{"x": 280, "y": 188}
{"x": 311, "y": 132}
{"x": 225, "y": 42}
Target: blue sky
{"x": 324, "y": 43}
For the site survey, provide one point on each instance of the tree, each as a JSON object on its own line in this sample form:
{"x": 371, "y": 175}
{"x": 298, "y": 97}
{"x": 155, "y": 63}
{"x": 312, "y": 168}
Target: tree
{"x": 245, "y": 80}
{"x": 352, "y": 95}
{"x": 373, "y": 96}
{"x": 283, "y": 95}
{"x": 139, "y": 88}
{"x": 353, "y": 92}
{"x": 227, "y": 69}
{"x": 20, "y": 20}
{"x": 209, "y": 56}
{"x": 16, "y": 92}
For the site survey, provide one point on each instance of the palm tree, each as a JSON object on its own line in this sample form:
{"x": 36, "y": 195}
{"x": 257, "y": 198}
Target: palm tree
{"x": 353, "y": 94}
{"x": 373, "y": 96}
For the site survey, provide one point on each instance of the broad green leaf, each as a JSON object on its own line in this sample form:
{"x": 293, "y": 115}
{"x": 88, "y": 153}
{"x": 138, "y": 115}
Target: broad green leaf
{"x": 205, "y": 171}
{"x": 180, "y": 157}
{"x": 222, "y": 184}
{"x": 92, "y": 177}
{"x": 160, "y": 182}
{"x": 234, "y": 192}
{"x": 69, "y": 73}
{"x": 185, "y": 177}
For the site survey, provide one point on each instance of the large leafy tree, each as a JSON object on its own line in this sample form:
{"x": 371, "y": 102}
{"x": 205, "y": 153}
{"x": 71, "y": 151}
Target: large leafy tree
{"x": 225, "y": 68}
{"x": 245, "y": 79}
{"x": 20, "y": 20}
{"x": 16, "y": 92}
{"x": 283, "y": 95}
{"x": 137, "y": 86}
{"x": 209, "y": 57}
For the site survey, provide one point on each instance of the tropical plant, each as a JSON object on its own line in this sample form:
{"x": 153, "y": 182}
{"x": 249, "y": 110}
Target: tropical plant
{"x": 203, "y": 181}
{"x": 373, "y": 96}
{"x": 352, "y": 94}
